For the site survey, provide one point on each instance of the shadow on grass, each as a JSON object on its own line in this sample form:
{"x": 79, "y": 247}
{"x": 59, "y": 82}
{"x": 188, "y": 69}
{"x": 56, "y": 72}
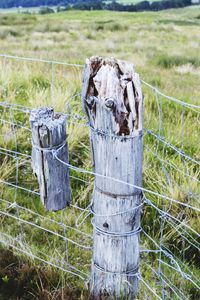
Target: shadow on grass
{"x": 24, "y": 281}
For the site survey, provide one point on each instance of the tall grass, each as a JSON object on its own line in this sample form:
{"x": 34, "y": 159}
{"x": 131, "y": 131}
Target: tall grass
{"x": 66, "y": 37}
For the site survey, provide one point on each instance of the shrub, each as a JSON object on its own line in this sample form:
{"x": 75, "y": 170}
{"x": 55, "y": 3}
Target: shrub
{"x": 167, "y": 62}
{"x": 46, "y": 10}
{"x": 8, "y": 19}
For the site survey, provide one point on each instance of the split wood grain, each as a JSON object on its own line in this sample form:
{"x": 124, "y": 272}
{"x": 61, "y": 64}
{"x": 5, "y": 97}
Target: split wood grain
{"x": 113, "y": 102}
{"x": 49, "y": 135}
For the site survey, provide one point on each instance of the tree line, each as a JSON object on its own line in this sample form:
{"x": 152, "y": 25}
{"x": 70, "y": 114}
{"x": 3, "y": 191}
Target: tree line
{"x": 97, "y": 4}
{"x": 140, "y": 6}
{"x": 36, "y": 3}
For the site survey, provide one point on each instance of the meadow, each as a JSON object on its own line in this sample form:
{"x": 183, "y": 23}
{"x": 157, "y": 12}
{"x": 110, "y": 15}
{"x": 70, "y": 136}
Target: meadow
{"x": 164, "y": 47}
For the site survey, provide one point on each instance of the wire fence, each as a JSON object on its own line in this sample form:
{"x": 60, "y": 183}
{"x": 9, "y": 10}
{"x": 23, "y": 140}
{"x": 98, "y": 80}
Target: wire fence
{"x": 170, "y": 240}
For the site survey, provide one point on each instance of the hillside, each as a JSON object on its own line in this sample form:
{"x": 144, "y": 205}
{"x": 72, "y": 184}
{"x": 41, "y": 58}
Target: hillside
{"x": 120, "y": 5}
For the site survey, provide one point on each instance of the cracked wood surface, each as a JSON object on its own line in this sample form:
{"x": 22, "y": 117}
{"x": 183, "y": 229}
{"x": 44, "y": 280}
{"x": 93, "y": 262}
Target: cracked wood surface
{"x": 49, "y": 133}
{"x": 113, "y": 101}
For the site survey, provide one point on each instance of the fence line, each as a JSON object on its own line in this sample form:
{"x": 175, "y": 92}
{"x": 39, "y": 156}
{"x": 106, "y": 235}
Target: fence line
{"x": 29, "y": 59}
{"x": 110, "y": 178}
{"x": 15, "y": 152}
{"x": 170, "y": 164}
{"x": 181, "y": 228}
{"x": 15, "y": 205}
{"x": 182, "y": 103}
{"x": 172, "y": 259}
{"x": 182, "y": 297}
{"x": 149, "y": 288}
{"x": 175, "y": 288}
{"x": 173, "y": 147}
{"x": 165, "y": 215}
{"x": 15, "y": 124}
{"x": 125, "y": 183}
{"x": 40, "y": 259}
{"x": 26, "y": 246}
{"x": 45, "y": 229}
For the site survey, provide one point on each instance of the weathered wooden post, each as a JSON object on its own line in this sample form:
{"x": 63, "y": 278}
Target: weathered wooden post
{"x": 48, "y": 136}
{"x": 113, "y": 101}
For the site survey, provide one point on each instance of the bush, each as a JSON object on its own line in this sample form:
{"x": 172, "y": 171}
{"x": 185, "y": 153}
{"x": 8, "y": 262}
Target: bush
{"x": 46, "y": 10}
{"x": 8, "y": 19}
{"x": 167, "y": 62}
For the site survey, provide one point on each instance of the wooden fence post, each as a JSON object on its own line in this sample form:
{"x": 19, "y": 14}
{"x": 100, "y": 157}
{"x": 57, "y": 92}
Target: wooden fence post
{"x": 49, "y": 135}
{"x": 113, "y": 101}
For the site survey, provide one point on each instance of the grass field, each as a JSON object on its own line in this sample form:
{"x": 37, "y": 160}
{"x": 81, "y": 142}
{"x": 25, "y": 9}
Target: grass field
{"x": 164, "y": 47}
{"x": 32, "y": 10}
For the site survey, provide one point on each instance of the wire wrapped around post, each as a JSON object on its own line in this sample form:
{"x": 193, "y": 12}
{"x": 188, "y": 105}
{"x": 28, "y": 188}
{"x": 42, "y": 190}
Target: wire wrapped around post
{"x": 113, "y": 102}
{"x": 49, "y": 136}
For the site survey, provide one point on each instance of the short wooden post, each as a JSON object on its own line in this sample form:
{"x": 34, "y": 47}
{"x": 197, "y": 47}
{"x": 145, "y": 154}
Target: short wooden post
{"x": 113, "y": 101}
{"x": 49, "y": 137}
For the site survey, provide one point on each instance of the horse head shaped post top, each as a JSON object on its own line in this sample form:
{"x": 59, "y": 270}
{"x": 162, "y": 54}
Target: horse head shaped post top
{"x": 114, "y": 87}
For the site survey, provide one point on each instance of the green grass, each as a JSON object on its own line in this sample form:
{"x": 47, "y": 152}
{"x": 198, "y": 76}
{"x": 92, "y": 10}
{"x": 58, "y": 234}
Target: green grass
{"x": 164, "y": 47}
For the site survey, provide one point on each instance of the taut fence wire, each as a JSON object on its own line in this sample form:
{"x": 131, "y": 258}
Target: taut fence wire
{"x": 170, "y": 240}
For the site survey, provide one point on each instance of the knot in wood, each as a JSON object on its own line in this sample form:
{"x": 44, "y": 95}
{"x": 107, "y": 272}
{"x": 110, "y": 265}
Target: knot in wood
{"x": 109, "y": 103}
{"x": 90, "y": 101}
{"x": 105, "y": 225}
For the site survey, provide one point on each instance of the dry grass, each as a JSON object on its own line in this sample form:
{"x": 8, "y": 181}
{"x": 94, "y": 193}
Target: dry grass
{"x": 164, "y": 49}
